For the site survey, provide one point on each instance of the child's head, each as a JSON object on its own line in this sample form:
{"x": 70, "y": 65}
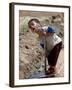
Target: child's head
{"x": 34, "y": 25}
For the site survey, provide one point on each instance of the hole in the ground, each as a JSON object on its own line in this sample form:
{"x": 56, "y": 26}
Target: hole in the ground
{"x": 26, "y": 47}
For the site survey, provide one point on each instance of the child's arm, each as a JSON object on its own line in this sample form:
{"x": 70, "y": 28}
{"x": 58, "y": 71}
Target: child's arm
{"x": 42, "y": 33}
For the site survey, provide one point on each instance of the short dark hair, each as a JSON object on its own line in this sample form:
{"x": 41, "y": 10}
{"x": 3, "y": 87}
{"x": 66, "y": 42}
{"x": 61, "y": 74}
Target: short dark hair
{"x": 31, "y": 22}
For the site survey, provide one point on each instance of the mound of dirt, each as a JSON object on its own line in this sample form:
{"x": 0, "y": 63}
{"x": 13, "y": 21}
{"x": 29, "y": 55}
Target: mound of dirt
{"x": 31, "y": 55}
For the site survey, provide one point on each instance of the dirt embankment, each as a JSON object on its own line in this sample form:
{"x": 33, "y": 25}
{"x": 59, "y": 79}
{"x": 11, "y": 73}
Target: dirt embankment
{"x": 31, "y": 55}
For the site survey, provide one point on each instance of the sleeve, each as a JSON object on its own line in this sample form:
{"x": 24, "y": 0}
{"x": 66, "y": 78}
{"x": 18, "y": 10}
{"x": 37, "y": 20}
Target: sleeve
{"x": 50, "y": 30}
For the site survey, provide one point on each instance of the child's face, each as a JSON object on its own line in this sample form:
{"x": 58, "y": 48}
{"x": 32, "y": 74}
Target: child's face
{"x": 36, "y": 27}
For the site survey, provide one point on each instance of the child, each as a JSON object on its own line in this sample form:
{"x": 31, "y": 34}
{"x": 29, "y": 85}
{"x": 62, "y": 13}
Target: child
{"x": 49, "y": 41}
